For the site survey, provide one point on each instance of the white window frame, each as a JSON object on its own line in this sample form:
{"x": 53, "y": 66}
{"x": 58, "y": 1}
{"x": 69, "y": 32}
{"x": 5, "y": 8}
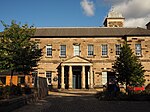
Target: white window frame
{"x": 62, "y": 51}
{"x": 104, "y": 78}
{"x": 48, "y": 75}
{"x": 49, "y": 49}
{"x": 138, "y": 50}
{"x": 104, "y": 50}
{"x": 90, "y": 50}
{"x": 76, "y": 49}
{"x": 118, "y": 49}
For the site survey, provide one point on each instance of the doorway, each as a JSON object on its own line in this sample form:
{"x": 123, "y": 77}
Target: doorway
{"x": 76, "y": 80}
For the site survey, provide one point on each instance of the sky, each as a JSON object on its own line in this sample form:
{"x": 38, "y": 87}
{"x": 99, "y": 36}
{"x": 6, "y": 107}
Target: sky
{"x": 73, "y": 13}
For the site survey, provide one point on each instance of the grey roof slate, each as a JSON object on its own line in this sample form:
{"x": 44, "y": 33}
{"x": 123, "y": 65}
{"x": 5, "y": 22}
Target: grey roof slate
{"x": 90, "y": 31}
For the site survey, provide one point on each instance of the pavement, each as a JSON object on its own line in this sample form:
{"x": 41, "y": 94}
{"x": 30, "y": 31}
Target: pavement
{"x": 74, "y": 101}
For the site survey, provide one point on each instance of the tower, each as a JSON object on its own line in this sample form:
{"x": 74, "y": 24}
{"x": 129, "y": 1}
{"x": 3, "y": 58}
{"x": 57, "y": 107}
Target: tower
{"x": 114, "y": 19}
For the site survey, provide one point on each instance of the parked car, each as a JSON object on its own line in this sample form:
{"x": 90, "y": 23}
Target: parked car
{"x": 136, "y": 88}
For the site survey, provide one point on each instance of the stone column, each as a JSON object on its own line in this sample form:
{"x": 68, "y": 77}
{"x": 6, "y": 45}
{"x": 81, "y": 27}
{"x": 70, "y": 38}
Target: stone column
{"x": 70, "y": 77}
{"x": 91, "y": 77}
{"x": 83, "y": 77}
{"x": 62, "y": 78}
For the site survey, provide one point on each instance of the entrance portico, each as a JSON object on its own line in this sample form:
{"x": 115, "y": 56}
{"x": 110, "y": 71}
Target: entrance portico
{"x": 80, "y": 73}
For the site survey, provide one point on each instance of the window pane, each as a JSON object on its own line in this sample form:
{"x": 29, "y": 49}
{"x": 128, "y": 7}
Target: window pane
{"x": 49, "y": 76}
{"x": 34, "y": 78}
{"x": 104, "y": 78}
{"x": 21, "y": 79}
{"x": 49, "y": 50}
{"x": 76, "y": 50}
{"x": 104, "y": 50}
{"x": 63, "y": 50}
{"x": 138, "y": 49}
{"x": 118, "y": 49}
{"x": 2, "y": 80}
{"x": 37, "y": 46}
{"x": 90, "y": 50}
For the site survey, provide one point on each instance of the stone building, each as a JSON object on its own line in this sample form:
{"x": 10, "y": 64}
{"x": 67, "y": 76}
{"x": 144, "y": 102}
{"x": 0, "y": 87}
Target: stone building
{"x": 82, "y": 57}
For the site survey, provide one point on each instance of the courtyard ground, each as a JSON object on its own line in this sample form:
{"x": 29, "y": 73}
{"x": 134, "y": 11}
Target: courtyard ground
{"x": 83, "y": 102}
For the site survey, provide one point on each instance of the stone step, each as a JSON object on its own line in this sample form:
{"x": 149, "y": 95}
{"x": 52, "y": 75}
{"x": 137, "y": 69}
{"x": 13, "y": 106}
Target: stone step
{"x": 73, "y": 92}
{"x": 84, "y": 91}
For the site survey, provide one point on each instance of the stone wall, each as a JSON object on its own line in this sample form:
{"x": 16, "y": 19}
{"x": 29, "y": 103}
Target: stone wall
{"x": 8, "y": 105}
{"x": 99, "y": 63}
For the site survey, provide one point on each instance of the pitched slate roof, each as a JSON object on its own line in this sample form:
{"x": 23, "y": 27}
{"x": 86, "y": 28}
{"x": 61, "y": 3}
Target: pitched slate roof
{"x": 90, "y": 31}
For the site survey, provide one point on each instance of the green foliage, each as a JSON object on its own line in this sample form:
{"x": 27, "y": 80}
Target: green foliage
{"x": 121, "y": 96}
{"x": 128, "y": 68}
{"x": 13, "y": 91}
{"x": 107, "y": 96}
{"x": 17, "y": 52}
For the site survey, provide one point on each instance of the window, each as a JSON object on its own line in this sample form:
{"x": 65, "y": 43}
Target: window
{"x": 118, "y": 49}
{"x": 37, "y": 46}
{"x": 49, "y": 50}
{"x": 34, "y": 78}
{"x": 21, "y": 79}
{"x": 62, "y": 50}
{"x": 138, "y": 49}
{"x": 76, "y": 50}
{"x": 104, "y": 78}
{"x": 2, "y": 80}
{"x": 90, "y": 50}
{"x": 104, "y": 50}
{"x": 49, "y": 77}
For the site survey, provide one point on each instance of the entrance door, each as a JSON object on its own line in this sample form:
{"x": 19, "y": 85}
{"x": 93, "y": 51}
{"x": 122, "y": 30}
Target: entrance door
{"x": 76, "y": 80}
{"x": 111, "y": 78}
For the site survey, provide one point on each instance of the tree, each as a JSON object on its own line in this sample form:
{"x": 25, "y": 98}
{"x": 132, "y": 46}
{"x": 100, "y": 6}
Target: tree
{"x": 128, "y": 68}
{"x": 17, "y": 52}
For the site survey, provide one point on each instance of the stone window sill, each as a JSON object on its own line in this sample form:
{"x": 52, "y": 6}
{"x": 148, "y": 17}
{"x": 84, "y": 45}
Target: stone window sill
{"x": 48, "y": 56}
{"x": 92, "y": 56}
{"x": 62, "y": 56}
{"x": 105, "y": 56}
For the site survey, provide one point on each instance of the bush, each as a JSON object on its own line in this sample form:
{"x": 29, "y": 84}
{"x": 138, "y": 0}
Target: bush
{"x": 108, "y": 96}
{"x": 133, "y": 96}
{"x": 27, "y": 90}
{"x": 140, "y": 95}
{"x": 10, "y": 91}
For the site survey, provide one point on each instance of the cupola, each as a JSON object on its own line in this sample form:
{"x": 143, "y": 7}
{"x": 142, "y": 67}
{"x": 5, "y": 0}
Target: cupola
{"x": 114, "y": 19}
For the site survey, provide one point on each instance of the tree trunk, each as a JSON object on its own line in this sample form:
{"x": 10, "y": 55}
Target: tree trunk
{"x": 11, "y": 74}
{"x": 126, "y": 88}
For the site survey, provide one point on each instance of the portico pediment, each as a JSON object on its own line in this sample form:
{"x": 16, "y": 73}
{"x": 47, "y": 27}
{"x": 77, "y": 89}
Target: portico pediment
{"x": 77, "y": 60}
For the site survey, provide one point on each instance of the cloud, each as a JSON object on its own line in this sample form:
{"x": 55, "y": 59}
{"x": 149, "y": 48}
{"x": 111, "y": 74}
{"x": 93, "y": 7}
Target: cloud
{"x": 88, "y": 7}
{"x": 136, "y": 12}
